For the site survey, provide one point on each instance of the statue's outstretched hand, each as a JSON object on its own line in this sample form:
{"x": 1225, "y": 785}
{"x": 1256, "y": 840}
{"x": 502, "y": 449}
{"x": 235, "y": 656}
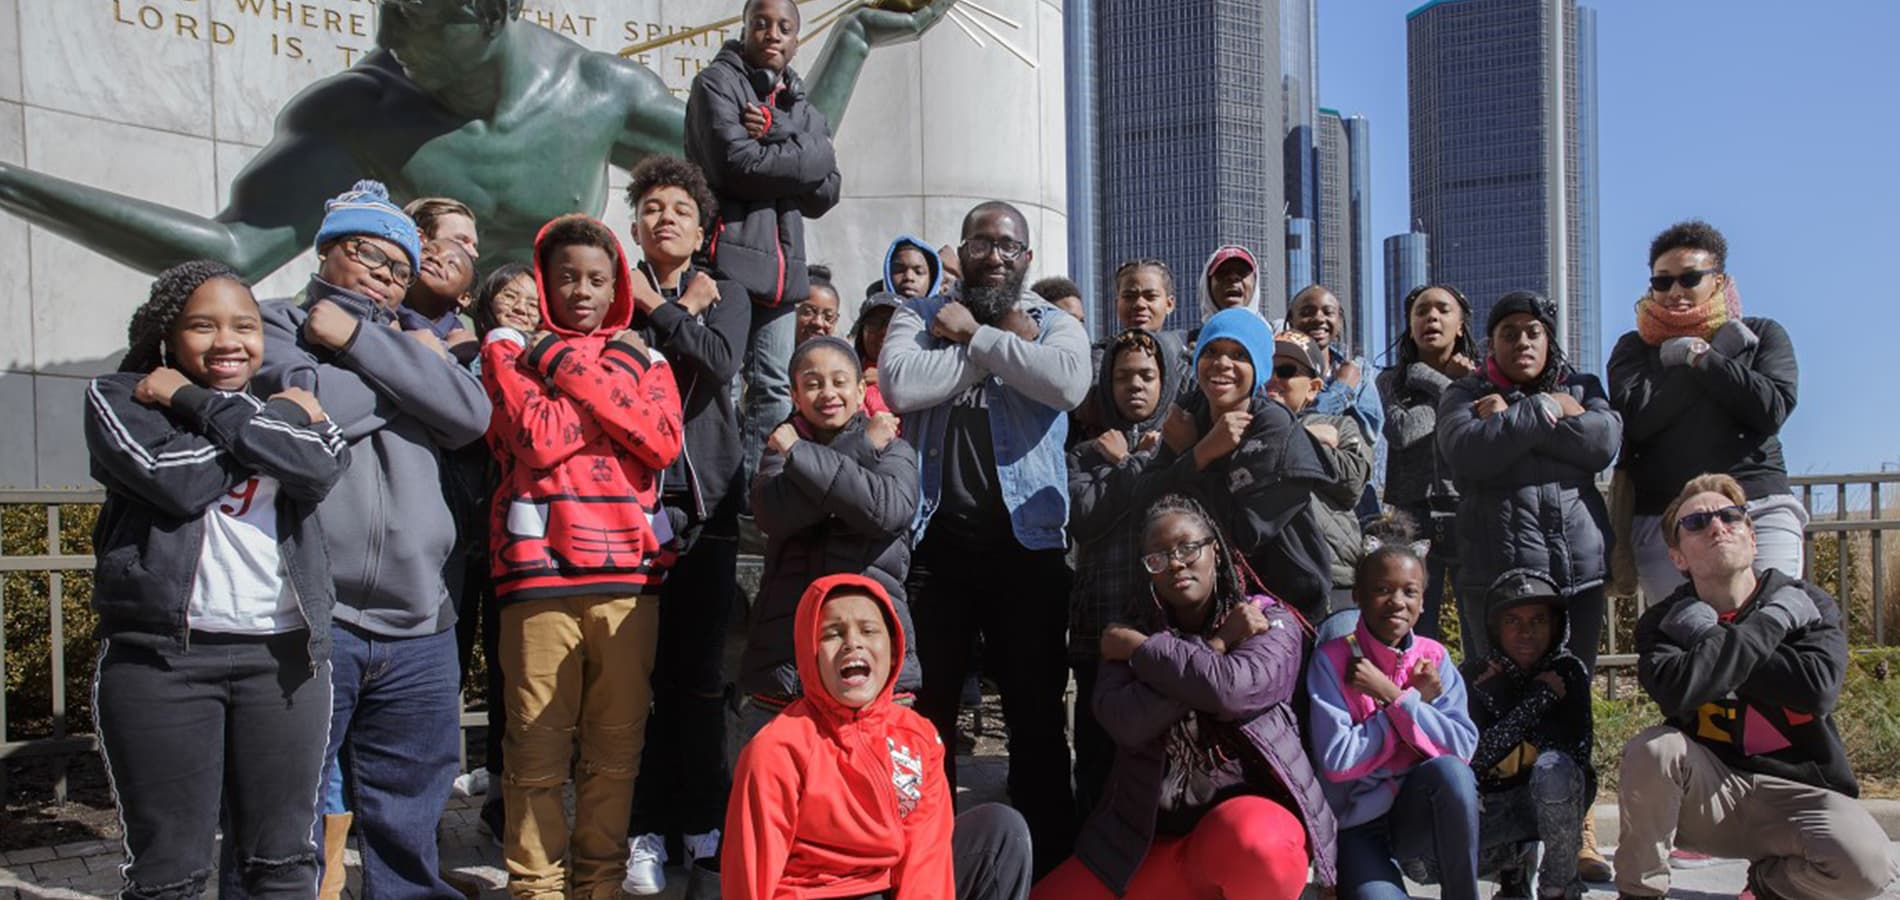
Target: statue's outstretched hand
{"x": 896, "y": 21}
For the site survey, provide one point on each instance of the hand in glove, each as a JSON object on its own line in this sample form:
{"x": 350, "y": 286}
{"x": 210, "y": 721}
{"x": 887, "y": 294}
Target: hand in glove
{"x": 1682, "y": 350}
{"x": 1792, "y": 607}
{"x": 1733, "y": 338}
{"x": 1690, "y": 622}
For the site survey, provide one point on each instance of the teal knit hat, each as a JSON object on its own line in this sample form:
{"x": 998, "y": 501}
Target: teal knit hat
{"x": 365, "y": 209}
{"x": 1246, "y": 328}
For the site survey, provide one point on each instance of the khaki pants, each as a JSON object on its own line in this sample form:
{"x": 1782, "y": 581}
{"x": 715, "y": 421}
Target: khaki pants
{"x": 573, "y": 667}
{"x": 1802, "y": 841}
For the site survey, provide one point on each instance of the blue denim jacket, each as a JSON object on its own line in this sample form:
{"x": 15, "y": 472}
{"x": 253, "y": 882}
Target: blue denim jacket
{"x": 1362, "y": 402}
{"x": 1031, "y": 387}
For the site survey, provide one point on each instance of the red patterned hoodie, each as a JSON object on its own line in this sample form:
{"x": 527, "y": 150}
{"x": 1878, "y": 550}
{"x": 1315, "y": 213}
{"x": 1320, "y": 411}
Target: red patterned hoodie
{"x": 829, "y": 801}
{"x": 583, "y": 428}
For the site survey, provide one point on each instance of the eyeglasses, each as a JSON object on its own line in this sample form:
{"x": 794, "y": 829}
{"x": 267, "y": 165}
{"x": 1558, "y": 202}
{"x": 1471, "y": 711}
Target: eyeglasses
{"x": 1186, "y": 554}
{"x": 372, "y": 257}
{"x": 1696, "y": 523}
{"x": 1009, "y": 250}
{"x": 1662, "y": 283}
{"x": 827, "y": 316}
{"x": 1289, "y": 370}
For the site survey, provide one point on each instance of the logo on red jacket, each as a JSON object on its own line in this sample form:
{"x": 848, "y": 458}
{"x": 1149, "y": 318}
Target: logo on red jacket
{"x": 907, "y": 775}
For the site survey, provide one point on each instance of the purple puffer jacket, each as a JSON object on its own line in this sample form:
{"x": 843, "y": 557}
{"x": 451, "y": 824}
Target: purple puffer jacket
{"x": 1169, "y": 677}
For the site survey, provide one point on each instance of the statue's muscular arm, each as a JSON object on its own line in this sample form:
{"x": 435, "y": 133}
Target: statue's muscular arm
{"x": 834, "y": 76}
{"x": 275, "y": 207}
{"x": 655, "y": 119}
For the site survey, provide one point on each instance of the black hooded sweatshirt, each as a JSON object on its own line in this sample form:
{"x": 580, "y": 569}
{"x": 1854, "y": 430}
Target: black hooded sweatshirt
{"x": 1519, "y": 717}
{"x": 1757, "y": 695}
{"x": 1103, "y": 515}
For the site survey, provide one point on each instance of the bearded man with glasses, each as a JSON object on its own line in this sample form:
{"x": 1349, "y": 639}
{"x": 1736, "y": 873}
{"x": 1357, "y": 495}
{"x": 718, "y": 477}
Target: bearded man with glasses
{"x": 1747, "y": 668}
{"x": 1702, "y": 389}
{"x": 984, "y": 375}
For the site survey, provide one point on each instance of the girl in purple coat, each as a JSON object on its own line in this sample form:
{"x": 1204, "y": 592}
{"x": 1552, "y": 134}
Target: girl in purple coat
{"x": 1211, "y": 794}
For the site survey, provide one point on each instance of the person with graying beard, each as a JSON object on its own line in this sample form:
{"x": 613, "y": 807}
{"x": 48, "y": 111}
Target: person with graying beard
{"x": 984, "y": 375}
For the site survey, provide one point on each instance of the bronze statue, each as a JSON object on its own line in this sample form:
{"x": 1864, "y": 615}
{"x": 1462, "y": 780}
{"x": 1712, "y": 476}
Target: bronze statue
{"x": 461, "y": 100}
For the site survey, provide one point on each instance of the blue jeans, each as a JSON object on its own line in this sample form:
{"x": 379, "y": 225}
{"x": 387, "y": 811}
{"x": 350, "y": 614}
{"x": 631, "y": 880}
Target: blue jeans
{"x": 396, "y": 718}
{"x": 1435, "y": 816}
{"x": 768, "y": 379}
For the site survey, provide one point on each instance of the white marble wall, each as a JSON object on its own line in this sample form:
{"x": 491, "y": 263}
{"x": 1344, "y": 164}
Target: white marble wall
{"x": 166, "y": 100}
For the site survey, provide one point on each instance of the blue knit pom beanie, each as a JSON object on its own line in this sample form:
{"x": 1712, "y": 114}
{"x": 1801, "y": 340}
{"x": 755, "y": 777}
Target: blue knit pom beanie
{"x": 365, "y": 209}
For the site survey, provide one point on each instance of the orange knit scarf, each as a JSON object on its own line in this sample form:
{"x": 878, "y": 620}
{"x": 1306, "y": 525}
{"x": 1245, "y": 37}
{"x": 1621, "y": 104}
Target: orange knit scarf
{"x": 1657, "y": 323}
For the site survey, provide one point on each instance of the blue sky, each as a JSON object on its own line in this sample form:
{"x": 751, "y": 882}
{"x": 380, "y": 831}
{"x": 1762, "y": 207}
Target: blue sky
{"x": 1778, "y": 123}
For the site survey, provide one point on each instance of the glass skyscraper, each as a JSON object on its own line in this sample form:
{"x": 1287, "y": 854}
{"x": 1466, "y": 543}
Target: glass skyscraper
{"x": 1187, "y": 152}
{"x": 1363, "y": 306}
{"x": 1503, "y": 148}
{"x": 1345, "y": 214}
{"x": 1335, "y": 219}
{"x": 1406, "y": 267}
{"x": 1299, "y": 96}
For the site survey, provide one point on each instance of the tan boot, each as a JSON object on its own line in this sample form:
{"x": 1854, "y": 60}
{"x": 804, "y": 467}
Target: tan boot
{"x": 336, "y": 833}
{"x": 1591, "y": 866}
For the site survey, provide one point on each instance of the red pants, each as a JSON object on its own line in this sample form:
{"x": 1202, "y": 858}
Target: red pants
{"x": 1248, "y": 848}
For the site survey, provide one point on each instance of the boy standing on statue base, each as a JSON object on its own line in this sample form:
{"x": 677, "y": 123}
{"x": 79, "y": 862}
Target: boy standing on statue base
{"x": 766, "y": 151}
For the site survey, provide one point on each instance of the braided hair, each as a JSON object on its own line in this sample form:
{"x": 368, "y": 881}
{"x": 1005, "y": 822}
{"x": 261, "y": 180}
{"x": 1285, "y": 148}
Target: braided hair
{"x": 1149, "y": 615}
{"x": 151, "y": 324}
{"x": 1145, "y": 262}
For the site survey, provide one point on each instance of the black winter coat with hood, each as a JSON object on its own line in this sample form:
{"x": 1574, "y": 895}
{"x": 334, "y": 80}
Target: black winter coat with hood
{"x": 766, "y": 187}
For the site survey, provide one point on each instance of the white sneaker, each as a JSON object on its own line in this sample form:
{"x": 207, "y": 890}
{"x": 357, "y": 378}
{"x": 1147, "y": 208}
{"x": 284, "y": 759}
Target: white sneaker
{"x": 646, "y": 865}
{"x": 701, "y": 846}
{"x": 470, "y": 784}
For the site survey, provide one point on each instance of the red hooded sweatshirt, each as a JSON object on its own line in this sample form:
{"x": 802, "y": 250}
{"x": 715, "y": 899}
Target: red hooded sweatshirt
{"x": 583, "y": 428}
{"x": 829, "y": 801}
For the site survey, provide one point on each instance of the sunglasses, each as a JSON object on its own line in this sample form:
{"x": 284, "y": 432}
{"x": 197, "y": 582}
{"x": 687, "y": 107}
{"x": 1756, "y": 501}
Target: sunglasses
{"x": 1186, "y": 554}
{"x": 1662, "y": 283}
{"x": 1696, "y": 523}
{"x": 1290, "y": 370}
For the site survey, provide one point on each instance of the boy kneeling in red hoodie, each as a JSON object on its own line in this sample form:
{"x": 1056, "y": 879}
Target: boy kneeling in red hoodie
{"x": 842, "y": 794}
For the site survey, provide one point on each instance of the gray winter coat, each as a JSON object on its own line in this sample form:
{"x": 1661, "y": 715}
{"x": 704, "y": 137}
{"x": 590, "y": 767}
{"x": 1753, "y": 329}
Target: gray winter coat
{"x": 1527, "y": 484}
{"x": 1413, "y": 473}
{"x": 825, "y": 509}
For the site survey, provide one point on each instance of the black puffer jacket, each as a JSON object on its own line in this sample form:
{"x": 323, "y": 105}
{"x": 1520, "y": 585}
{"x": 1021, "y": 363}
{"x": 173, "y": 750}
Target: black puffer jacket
{"x": 766, "y": 187}
{"x": 1723, "y": 414}
{"x": 830, "y": 509}
{"x": 1527, "y": 483}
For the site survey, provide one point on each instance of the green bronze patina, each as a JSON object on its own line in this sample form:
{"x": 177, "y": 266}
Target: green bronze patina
{"x": 461, "y": 99}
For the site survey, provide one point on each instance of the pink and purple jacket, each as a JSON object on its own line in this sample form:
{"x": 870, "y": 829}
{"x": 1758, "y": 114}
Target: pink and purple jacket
{"x": 1364, "y": 751}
